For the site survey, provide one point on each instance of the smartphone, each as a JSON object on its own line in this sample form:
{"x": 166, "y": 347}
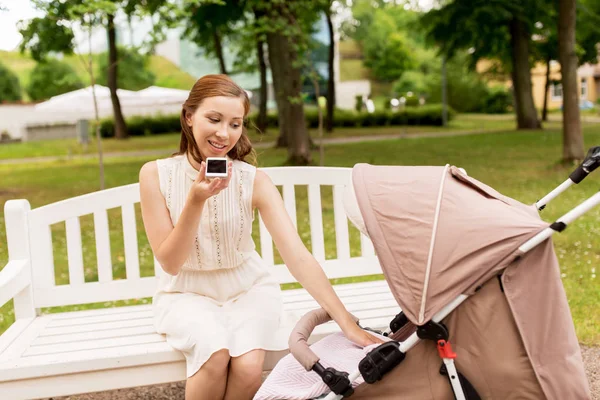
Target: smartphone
{"x": 216, "y": 167}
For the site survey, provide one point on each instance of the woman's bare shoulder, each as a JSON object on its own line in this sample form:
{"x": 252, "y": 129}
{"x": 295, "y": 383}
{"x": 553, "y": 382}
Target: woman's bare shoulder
{"x": 149, "y": 171}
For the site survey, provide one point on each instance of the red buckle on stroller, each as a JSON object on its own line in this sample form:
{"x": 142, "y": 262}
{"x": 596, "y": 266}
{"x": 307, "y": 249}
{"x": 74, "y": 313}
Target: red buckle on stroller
{"x": 445, "y": 350}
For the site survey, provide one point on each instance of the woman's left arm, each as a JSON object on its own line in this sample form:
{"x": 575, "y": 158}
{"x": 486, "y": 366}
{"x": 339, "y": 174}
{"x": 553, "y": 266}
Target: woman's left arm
{"x": 300, "y": 262}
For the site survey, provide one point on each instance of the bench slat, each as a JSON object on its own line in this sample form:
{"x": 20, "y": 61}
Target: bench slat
{"x": 316, "y": 222}
{"x": 366, "y": 246}
{"x": 289, "y": 200}
{"x": 94, "y": 334}
{"x": 86, "y": 204}
{"x": 100, "y": 326}
{"x": 71, "y": 315}
{"x": 266, "y": 243}
{"x": 158, "y": 271}
{"x": 144, "y": 313}
{"x": 95, "y": 292}
{"x": 305, "y": 175}
{"x": 342, "y": 239}
{"x": 346, "y": 289}
{"x": 20, "y": 345}
{"x": 95, "y": 344}
{"x": 74, "y": 251}
{"x": 85, "y": 360}
{"x": 42, "y": 259}
{"x": 102, "y": 247}
{"x": 336, "y": 268}
{"x": 378, "y": 299}
{"x": 132, "y": 261}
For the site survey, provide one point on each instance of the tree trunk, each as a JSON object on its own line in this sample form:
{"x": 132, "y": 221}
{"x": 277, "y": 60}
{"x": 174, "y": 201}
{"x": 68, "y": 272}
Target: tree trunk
{"x": 120, "y": 126}
{"x": 287, "y": 83}
{"x": 279, "y": 76}
{"x": 331, "y": 79}
{"x": 546, "y": 87}
{"x": 219, "y": 51}
{"x": 261, "y": 120}
{"x": 521, "y": 77}
{"x": 572, "y": 135}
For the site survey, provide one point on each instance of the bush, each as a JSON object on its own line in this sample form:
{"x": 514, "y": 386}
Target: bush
{"x": 497, "y": 101}
{"x": 132, "y": 70}
{"x": 10, "y": 88}
{"x": 424, "y": 115}
{"x": 51, "y": 78}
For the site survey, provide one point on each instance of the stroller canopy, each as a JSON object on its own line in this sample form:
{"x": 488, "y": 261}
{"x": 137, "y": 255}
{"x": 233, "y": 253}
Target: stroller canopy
{"x": 438, "y": 232}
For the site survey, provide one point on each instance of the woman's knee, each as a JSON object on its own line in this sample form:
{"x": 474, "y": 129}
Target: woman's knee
{"x": 248, "y": 367}
{"x": 218, "y": 363}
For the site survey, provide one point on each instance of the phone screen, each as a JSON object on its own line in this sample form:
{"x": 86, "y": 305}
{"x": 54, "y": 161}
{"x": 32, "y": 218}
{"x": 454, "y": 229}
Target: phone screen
{"x": 216, "y": 166}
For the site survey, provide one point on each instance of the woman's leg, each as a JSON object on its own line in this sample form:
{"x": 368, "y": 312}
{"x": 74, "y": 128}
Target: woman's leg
{"x": 211, "y": 379}
{"x": 244, "y": 377}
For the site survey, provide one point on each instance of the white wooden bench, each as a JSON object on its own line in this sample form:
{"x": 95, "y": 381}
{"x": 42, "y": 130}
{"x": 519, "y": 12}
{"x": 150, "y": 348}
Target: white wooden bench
{"x": 44, "y": 355}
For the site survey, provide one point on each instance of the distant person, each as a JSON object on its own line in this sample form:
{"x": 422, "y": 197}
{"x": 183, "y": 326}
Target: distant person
{"x": 370, "y": 105}
{"x": 217, "y": 303}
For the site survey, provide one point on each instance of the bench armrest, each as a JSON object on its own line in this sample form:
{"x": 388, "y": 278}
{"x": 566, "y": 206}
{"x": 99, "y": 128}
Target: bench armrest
{"x": 15, "y": 277}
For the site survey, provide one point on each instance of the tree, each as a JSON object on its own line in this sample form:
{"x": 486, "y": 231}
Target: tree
{"x": 133, "y": 69}
{"x": 572, "y": 136}
{"x": 331, "y": 101}
{"x": 493, "y": 29}
{"x": 51, "y": 78}
{"x": 287, "y": 26}
{"x": 10, "y": 88}
{"x": 210, "y": 23}
{"x": 54, "y": 33}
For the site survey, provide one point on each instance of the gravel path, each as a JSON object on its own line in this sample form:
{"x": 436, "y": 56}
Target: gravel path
{"x": 172, "y": 391}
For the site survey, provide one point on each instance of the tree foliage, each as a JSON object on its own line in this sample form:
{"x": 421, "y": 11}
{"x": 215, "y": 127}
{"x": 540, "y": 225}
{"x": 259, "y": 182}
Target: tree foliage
{"x": 133, "y": 72}
{"x": 10, "y": 88}
{"x": 386, "y": 34}
{"x": 52, "y": 77}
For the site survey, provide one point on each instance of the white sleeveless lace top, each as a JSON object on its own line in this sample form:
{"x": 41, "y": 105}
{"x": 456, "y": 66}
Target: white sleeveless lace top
{"x": 224, "y": 234}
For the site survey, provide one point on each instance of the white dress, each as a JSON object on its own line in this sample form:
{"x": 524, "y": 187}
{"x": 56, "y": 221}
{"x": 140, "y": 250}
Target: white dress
{"x": 224, "y": 297}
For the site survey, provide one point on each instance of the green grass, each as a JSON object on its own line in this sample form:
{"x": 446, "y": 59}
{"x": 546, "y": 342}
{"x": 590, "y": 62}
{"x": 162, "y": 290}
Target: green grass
{"x": 522, "y": 165}
{"x": 169, "y": 75}
{"x": 169, "y": 142}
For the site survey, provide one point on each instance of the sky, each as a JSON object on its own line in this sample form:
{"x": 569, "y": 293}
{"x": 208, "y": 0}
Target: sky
{"x": 15, "y": 10}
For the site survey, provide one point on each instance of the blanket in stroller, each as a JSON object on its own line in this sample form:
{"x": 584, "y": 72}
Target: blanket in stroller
{"x": 290, "y": 381}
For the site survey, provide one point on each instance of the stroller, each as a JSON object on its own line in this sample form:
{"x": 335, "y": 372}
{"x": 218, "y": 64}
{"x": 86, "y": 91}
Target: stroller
{"x": 446, "y": 240}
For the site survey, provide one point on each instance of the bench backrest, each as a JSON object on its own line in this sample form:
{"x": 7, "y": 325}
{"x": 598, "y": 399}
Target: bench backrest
{"x": 46, "y": 293}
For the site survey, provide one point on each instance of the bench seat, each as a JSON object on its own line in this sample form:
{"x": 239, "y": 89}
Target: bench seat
{"x": 84, "y": 351}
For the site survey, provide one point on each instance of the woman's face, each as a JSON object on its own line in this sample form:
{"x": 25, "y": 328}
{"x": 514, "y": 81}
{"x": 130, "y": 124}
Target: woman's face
{"x": 217, "y": 125}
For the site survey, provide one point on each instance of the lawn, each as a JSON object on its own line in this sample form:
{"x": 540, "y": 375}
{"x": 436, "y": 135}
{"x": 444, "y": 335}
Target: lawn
{"x": 520, "y": 165}
{"x": 170, "y": 142}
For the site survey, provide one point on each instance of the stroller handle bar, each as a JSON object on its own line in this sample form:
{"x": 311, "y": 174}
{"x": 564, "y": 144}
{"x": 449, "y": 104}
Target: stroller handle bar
{"x": 298, "y": 341}
{"x": 589, "y": 164}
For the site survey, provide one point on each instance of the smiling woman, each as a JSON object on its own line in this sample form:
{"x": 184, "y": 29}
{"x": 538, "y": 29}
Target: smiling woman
{"x": 217, "y": 302}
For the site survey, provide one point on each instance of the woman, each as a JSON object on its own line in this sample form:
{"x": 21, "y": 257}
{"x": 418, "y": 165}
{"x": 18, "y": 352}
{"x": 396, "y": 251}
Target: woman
{"x": 217, "y": 302}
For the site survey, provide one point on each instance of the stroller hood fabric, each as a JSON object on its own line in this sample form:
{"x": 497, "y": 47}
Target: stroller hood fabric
{"x": 439, "y": 233}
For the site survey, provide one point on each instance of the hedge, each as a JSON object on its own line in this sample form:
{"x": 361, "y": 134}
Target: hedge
{"x": 423, "y": 115}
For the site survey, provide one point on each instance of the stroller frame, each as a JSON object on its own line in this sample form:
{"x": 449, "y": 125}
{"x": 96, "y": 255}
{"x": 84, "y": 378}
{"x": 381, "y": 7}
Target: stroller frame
{"x": 385, "y": 357}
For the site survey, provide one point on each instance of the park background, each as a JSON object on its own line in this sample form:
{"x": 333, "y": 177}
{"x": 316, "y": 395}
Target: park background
{"x": 508, "y": 90}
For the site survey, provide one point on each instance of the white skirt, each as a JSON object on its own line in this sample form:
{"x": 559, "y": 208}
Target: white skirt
{"x": 237, "y": 309}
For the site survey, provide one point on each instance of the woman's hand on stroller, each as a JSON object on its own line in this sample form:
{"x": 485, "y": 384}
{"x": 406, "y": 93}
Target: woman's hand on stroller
{"x": 356, "y": 335}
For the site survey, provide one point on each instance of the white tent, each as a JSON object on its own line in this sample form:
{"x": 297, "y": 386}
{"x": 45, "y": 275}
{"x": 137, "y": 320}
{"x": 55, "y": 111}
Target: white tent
{"x": 79, "y": 104}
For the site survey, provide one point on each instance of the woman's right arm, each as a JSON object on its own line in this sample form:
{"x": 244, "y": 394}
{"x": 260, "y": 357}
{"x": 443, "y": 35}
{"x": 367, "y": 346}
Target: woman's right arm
{"x": 171, "y": 244}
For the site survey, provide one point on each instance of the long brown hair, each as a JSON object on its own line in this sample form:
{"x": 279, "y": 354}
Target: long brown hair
{"x": 212, "y": 86}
